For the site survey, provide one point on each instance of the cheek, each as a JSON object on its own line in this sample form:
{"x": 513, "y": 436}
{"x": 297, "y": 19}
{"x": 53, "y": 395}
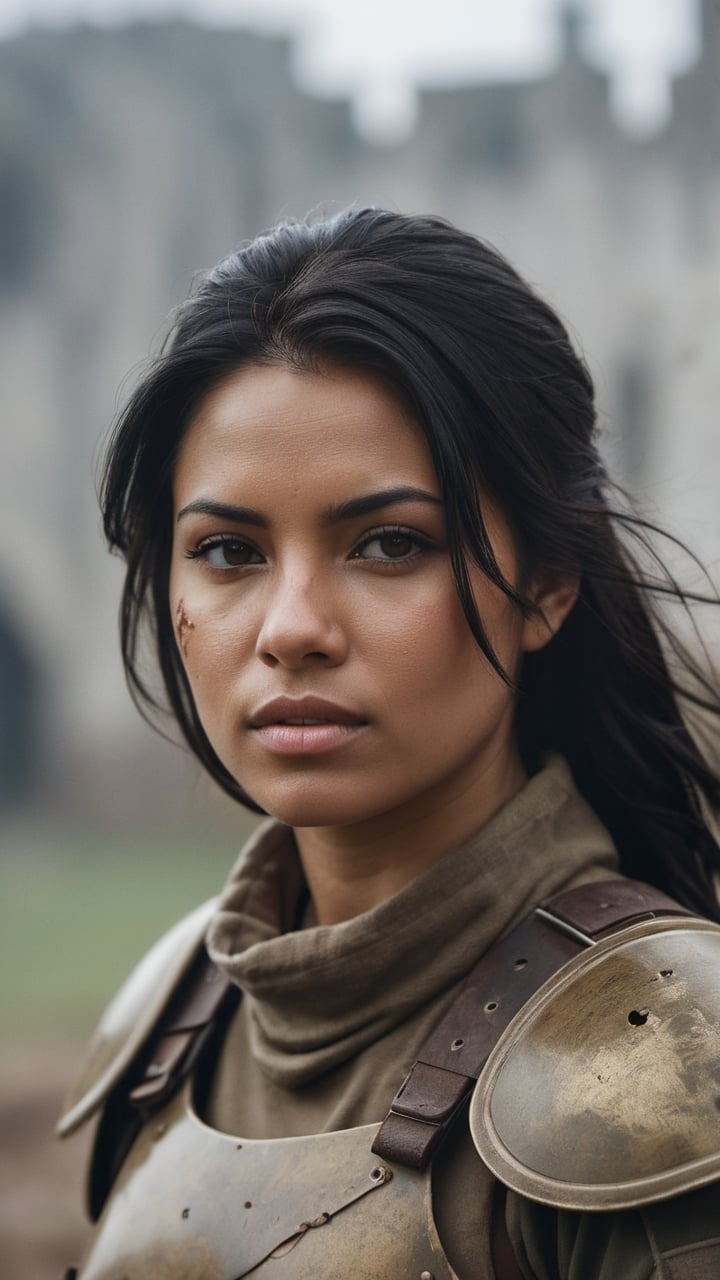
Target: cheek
{"x": 184, "y": 627}
{"x": 421, "y": 652}
{"x": 213, "y": 641}
{"x": 449, "y": 655}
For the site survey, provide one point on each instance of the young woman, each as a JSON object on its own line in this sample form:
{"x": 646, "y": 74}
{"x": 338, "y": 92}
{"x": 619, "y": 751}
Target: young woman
{"x": 395, "y": 608}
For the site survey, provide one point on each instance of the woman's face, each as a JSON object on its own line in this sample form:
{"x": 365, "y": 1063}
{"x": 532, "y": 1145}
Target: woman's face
{"x": 330, "y": 661}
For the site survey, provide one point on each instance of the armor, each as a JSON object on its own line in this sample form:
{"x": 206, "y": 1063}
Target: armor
{"x": 594, "y": 1029}
{"x": 224, "y": 1207}
{"x": 626, "y": 1109}
{"x": 298, "y": 1208}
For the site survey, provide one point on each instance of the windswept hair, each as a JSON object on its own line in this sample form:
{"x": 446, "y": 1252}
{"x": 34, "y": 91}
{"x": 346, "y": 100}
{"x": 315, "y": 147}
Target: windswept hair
{"x": 507, "y": 407}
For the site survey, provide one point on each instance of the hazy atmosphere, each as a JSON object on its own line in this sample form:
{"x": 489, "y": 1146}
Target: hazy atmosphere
{"x": 141, "y": 142}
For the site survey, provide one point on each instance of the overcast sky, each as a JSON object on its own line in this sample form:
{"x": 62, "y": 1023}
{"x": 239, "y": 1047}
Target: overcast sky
{"x": 377, "y": 50}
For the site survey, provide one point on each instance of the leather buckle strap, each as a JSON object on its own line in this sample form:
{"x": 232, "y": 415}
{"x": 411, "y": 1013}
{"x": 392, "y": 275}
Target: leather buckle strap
{"x": 430, "y": 1094}
{"x": 454, "y": 1054}
{"x": 604, "y": 905}
{"x": 424, "y": 1107}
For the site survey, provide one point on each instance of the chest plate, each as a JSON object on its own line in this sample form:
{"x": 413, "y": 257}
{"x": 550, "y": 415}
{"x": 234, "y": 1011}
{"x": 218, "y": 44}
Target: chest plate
{"x": 194, "y": 1204}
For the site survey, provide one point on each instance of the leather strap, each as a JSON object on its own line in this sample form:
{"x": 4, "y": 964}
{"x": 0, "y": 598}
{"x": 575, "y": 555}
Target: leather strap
{"x": 179, "y": 1035}
{"x": 439, "y": 1083}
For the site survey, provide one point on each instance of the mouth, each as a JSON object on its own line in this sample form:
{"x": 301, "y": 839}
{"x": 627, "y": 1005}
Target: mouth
{"x": 304, "y": 712}
{"x": 305, "y": 726}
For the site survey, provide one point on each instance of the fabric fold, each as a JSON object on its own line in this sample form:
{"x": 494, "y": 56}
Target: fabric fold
{"x": 319, "y": 996}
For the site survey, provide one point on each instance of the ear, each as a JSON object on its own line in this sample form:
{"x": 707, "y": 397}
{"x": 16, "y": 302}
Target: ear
{"x": 554, "y": 596}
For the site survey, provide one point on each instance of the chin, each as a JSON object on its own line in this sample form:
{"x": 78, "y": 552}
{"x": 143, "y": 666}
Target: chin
{"x": 307, "y": 802}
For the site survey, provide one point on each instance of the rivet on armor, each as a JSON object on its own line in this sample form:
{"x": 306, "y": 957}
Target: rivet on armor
{"x": 185, "y": 1213}
{"x": 380, "y": 1173}
{"x": 457, "y": 1044}
{"x": 426, "y": 1275}
{"x": 491, "y": 1006}
{"x": 248, "y": 1204}
{"x": 520, "y": 963}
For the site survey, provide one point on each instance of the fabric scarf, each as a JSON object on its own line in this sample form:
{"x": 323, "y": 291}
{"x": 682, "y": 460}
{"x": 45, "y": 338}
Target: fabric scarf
{"x": 319, "y": 996}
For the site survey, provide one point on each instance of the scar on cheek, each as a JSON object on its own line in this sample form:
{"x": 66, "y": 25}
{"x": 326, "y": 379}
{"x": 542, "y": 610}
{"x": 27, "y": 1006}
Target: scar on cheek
{"x": 183, "y": 627}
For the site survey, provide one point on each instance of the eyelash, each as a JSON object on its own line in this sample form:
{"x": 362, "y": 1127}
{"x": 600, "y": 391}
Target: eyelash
{"x": 420, "y": 544}
{"x": 200, "y": 552}
{"x": 388, "y": 531}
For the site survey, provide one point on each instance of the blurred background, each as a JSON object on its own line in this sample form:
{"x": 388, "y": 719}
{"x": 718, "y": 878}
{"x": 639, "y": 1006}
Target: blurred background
{"x": 139, "y": 143}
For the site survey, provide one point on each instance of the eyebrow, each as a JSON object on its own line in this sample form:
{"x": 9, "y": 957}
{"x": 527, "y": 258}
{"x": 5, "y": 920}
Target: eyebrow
{"x": 223, "y": 511}
{"x": 368, "y": 502}
{"x": 350, "y": 510}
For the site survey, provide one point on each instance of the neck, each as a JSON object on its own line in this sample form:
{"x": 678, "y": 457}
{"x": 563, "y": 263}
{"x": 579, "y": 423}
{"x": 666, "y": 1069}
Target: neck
{"x": 352, "y": 869}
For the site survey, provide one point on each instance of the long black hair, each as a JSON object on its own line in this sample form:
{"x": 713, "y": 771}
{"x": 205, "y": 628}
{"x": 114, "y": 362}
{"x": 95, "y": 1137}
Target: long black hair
{"x": 507, "y": 406}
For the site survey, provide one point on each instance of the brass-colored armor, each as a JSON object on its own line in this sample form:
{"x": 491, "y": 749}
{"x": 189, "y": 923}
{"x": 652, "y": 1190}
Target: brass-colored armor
{"x": 194, "y": 1204}
{"x": 604, "y": 1091}
{"x": 190, "y": 1203}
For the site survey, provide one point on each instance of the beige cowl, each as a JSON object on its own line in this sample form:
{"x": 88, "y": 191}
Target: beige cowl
{"x": 333, "y": 1016}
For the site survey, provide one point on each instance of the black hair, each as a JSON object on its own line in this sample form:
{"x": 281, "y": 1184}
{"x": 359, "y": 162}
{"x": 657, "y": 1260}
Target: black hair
{"x": 507, "y": 405}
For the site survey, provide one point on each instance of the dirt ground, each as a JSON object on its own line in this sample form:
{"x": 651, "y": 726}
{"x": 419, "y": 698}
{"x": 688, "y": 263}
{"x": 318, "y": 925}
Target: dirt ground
{"x": 42, "y": 1226}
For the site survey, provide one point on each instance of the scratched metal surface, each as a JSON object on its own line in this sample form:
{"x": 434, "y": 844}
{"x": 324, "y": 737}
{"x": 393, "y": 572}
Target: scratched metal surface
{"x": 194, "y": 1204}
{"x": 606, "y": 1091}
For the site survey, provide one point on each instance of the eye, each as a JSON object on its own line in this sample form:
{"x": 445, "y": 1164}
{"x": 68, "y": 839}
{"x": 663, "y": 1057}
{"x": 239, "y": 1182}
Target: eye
{"x": 390, "y": 544}
{"x": 226, "y": 552}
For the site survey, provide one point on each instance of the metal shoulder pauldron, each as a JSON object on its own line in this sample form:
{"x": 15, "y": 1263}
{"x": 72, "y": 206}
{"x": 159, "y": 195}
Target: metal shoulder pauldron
{"x": 604, "y": 1091}
{"x": 589, "y": 1039}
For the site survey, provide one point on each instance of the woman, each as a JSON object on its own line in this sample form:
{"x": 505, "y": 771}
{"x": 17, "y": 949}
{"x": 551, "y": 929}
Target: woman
{"x": 363, "y": 513}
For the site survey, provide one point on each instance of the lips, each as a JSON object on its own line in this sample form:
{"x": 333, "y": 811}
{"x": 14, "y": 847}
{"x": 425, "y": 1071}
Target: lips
{"x": 303, "y": 711}
{"x": 305, "y": 727}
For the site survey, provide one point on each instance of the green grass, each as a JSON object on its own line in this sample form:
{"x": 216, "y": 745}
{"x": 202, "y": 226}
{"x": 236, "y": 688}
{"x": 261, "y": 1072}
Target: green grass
{"x": 77, "y": 912}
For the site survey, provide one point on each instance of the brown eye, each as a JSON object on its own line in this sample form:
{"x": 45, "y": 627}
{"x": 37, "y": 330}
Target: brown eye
{"x": 229, "y": 553}
{"x": 390, "y": 544}
{"x": 396, "y": 545}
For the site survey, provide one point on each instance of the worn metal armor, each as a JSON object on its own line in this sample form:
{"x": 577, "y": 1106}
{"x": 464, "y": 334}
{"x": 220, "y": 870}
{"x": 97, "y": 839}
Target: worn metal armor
{"x": 192, "y": 1203}
{"x": 626, "y": 1111}
{"x": 594, "y": 1030}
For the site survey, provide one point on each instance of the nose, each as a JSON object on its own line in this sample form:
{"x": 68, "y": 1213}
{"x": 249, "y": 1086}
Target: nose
{"x": 300, "y": 625}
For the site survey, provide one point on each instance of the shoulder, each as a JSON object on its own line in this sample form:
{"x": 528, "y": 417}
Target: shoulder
{"x": 603, "y": 1094}
{"x": 132, "y": 1015}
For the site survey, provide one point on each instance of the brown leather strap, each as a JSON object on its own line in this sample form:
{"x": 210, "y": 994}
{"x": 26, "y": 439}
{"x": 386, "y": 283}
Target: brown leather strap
{"x": 449, "y": 1062}
{"x": 610, "y": 905}
{"x": 178, "y": 1036}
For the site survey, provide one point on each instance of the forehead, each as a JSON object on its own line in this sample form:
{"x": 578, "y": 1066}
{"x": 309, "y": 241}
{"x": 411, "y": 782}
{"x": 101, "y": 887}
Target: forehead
{"x": 274, "y": 427}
